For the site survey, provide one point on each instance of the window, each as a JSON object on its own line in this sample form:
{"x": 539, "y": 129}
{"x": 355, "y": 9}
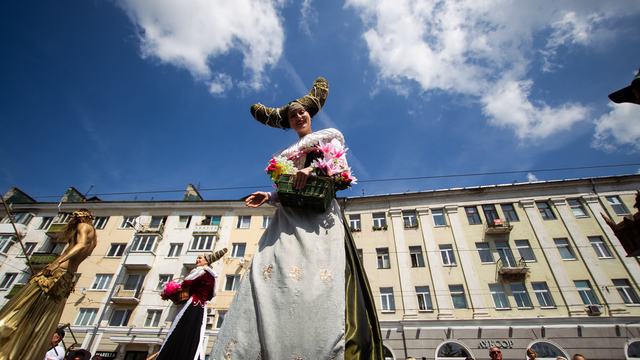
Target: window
{"x": 543, "y": 295}
{"x": 416, "y": 256}
{"x": 62, "y": 218}
{"x": 388, "y": 303}
{"x": 446, "y": 252}
{"x": 600, "y": 247}
{"x": 490, "y": 214}
{"x": 545, "y": 210}
{"x": 586, "y": 293}
{"x": 472, "y": 215}
{"x": 438, "y": 218}
{"x": 6, "y": 243}
{"x": 157, "y": 222}
{"x": 28, "y": 247}
{"x": 354, "y": 222}
{"x": 424, "y": 298}
{"x": 243, "y": 222}
{"x": 457, "y": 296}
{"x": 231, "y": 282}
{"x": 360, "y": 256}
{"x": 46, "y": 222}
{"x": 211, "y": 220}
{"x": 101, "y": 282}
{"x": 163, "y": 280}
{"x": 221, "y": 315}
{"x": 237, "y": 250}
{"x": 617, "y": 205}
{"x": 128, "y": 222}
{"x": 509, "y": 212}
{"x": 184, "y": 221}
{"x": 409, "y": 218}
{"x": 116, "y": 250}
{"x": 452, "y": 350}
{"x": 565, "y": 249}
{"x": 144, "y": 243}
{"x": 153, "y": 318}
{"x": 85, "y": 317}
{"x": 525, "y": 250}
{"x": 383, "y": 258}
{"x": 266, "y": 220}
{"x": 7, "y": 280}
{"x": 100, "y": 222}
{"x": 577, "y": 208}
{"x": 520, "y": 295}
{"x": 18, "y": 218}
{"x": 379, "y": 220}
{"x": 134, "y": 282}
{"x": 174, "y": 250}
{"x": 547, "y": 350}
{"x": 202, "y": 242}
{"x": 484, "y": 252}
{"x": 499, "y": 297}
{"x": 626, "y": 291}
{"x": 120, "y": 317}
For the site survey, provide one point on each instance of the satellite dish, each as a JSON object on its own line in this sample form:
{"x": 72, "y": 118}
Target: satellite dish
{"x": 241, "y": 261}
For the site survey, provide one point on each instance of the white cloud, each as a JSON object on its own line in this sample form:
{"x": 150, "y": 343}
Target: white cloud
{"x": 531, "y": 177}
{"x": 309, "y": 15}
{"x": 620, "y": 128}
{"x": 220, "y": 83}
{"x": 192, "y": 33}
{"x": 483, "y": 48}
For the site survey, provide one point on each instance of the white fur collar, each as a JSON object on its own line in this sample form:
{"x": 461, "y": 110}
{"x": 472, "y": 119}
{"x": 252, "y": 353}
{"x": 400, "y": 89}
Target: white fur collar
{"x": 325, "y": 135}
{"x": 199, "y": 271}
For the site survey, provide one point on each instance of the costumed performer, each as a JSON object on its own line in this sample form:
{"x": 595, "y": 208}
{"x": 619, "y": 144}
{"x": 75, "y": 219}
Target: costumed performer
{"x": 184, "y": 340}
{"x": 31, "y": 317}
{"x": 305, "y": 294}
{"x": 56, "y": 352}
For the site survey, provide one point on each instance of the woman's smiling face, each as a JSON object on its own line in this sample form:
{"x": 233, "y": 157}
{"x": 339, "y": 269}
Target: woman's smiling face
{"x": 300, "y": 121}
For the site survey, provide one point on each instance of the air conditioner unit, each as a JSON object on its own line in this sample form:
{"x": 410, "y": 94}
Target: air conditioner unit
{"x": 594, "y": 309}
{"x": 210, "y": 320}
{"x": 211, "y": 311}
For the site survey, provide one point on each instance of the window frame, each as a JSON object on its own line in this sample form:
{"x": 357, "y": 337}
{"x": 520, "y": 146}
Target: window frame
{"x": 545, "y": 294}
{"x": 82, "y": 317}
{"x": 29, "y": 247}
{"x": 510, "y": 214}
{"x": 417, "y": 259}
{"x": 446, "y": 251}
{"x": 124, "y": 320}
{"x": 184, "y": 224}
{"x": 490, "y": 213}
{"x": 244, "y": 222}
{"x": 545, "y": 210}
{"x": 204, "y": 242}
{"x": 266, "y": 220}
{"x": 220, "y": 318}
{"x": 163, "y": 279}
{"x": 379, "y": 220}
{"x": 486, "y": 251}
{"x": 100, "y": 222}
{"x": 355, "y": 222}
{"x": 579, "y": 211}
{"x": 525, "y": 249}
{"x": 438, "y": 214}
{"x": 521, "y": 297}
{"x": 175, "y": 250}
{"x": 6, "y": 243}
{"x": 101, "y": 282}
{"x": 600, "y": 247}
{"x": 119, "y": 249}
{"x": 567, "y": 247}
{"x": 626, "y": 292}
{"x": 125, "y": 219}
{"x": 144, "y": 243}
{"x": 8, "y": 280}
{"x": 231, "y": 282}
{"x": 235, "y": 248}
{"x": 387, "y": 300}
{"x": 46, "y": 223}
{"x": 424, "y": 293}
{"x": 586, "y": 292}
{"x": 153, "y": 318}
{"x": 499, "y": 296}
{"x": 409, "y": 219}
{"x": 473, "y": 216}
{"x": 383, "y": 258}
{"x": 616, "y": 203}
{"x": 458, "y": 294}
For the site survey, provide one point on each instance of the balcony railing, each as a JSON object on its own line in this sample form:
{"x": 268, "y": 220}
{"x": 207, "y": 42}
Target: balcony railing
{"x": 14, "y": 290}
{"x": 55, "y": 231}
{"x": 497, "y": 226}
{"x": 125, "y": 296}
{"x": 205, "y": 229}
{"x": 40, "y": 260}
{"x": 512, "y": 270}
{"x": 153, "y": 229}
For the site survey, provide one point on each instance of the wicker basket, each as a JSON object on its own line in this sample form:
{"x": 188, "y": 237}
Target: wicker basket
{"x": 316, "y": 194}
{"x": 180, "y": 296}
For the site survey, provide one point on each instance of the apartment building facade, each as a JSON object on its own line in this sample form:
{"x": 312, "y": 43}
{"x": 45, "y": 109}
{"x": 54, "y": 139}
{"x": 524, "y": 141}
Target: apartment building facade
{"x": 453, "y": 271}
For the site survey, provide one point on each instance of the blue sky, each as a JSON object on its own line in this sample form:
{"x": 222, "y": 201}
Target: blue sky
{"x": 138, "y": 96}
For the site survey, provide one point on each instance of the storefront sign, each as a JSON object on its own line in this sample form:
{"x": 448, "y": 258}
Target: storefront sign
{"x": 503, "y": 344}
{"x": 107, "y": 354}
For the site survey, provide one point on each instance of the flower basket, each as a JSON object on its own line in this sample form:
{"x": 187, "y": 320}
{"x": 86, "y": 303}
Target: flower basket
{"x": 174, "y": 291}
{"x": 316, "y": 194}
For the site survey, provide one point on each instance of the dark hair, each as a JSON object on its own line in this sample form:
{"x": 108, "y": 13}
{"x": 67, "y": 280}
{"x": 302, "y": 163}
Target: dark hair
{"x": 577, "y": 355}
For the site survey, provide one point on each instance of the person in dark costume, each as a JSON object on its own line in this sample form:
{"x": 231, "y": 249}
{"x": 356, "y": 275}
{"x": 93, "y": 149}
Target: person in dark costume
{"x": 305, "y": 294}
{"x": 184, "y": 340}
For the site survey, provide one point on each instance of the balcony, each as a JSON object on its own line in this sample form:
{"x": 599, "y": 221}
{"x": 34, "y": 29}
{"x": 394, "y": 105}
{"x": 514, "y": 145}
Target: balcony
{"x": 122, "y": 296}
{"x": 205, "y": 229}
{"x": 8, "y": 229}
{"x": 152, "y": 229}
{"x": 497, "y": 226}
{"x": 41, "y": 259}
{"x": 139, "y": 260}
{"x": 14, "y": 290}
{"x": 512, "y": 270}
{"x": 55, "y": 232}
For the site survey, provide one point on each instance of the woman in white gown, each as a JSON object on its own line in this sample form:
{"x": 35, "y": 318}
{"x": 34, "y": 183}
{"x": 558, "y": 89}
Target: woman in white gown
{"x": 305, "y": 295}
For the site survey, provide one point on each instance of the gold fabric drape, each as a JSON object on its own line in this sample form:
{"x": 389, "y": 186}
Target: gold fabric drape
{"x": 362, "y": 334}
{"x": 29, "y": 320}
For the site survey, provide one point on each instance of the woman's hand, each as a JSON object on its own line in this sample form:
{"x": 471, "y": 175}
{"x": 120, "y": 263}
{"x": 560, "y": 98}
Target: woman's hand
{"x": 256, "y": 199}
{"x": 49, "y": 269}
{"x": 301, "y": 178}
